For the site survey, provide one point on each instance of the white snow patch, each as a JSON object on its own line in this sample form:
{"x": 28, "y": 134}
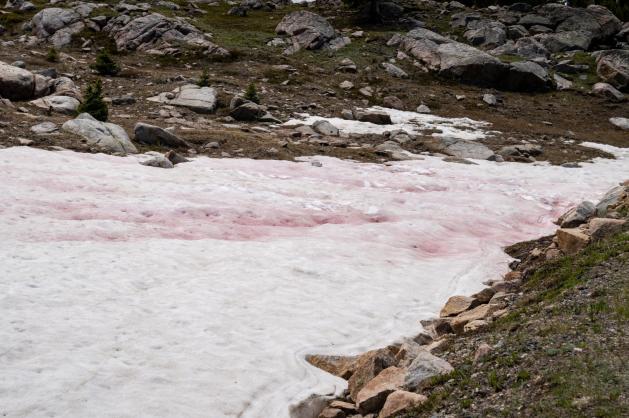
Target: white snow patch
{"x": 411, "y": 122}
{"x": 131, "y": 291}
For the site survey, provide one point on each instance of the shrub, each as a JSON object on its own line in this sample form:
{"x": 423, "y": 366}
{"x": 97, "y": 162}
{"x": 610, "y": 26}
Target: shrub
{"x": 52, "y": 55}
{"x": 251, "y": 94}
{"x": 93, "y": 102}
{"x": 105, "y": 64}
{"x": 204, "y": 81}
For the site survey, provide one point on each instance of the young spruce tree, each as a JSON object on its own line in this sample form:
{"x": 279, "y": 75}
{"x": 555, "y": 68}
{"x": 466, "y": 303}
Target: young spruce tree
{"x": 93, "y": 102}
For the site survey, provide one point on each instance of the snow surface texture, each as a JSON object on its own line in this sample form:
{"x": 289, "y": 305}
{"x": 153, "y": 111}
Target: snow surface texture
{"x": 132, "y": 291}
{"x": 411, "y": 122}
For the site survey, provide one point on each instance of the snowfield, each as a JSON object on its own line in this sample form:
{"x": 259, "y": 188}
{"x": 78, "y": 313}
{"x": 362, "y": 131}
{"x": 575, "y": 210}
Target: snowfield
{"x": 132, "y": 291}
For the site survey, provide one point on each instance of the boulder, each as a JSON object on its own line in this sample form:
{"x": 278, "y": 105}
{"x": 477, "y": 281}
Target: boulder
{"x": 373, "y": 395}
{"x": 486, "y": 33}
{"x": 107, "y": 136}
{"x": 247, "y": 112}
{"x": 367, "y": 366}
{"x": 394, "y": 151}
{"x": 527, "y": 76}
{"x": 393, "y": 102}
{"x": 307, "y": 29}
{"x": 601, "y": 228}
{"x": 154, "y": 135}
{"x": 341, "y": 366}
{"x": 610, "y": 199}
{"x": 20, "y": 84}
{"x": 348, "y": 408}
{"x": 44, "y": 128}
{"x": 479, "y": 312}
{"x": 394, "y": 70}
{"x": 565, "y": 41}
{"x": 622, "y": 123}
{"x": 399, "y": 402}
{"x": 475, "y": 325}
{"x": 457, "y": 304}
{"x": 612, "y": 67}
{"x": 516, "y": 32}
{"x": 597, "y": 20}
{"x": 190, "y": 96}
{"x": 577, "y": 215}
{"x": 59, "y": 25}
{"x": 332, "y": 413}
{"x": 60, "y": 104}
{"x": 157, "y": 33}
{"x": 325, "y": 128}
{"x": 482, "y": 352}
{"x": 157, "y": 160}
{"x": 530, "y": 48}
{"x": 459, "y": 148}
{"x": 534, "y": 19}
{"x": 562, "y": 83}
{"x": 423, "y": 367}
{"x": 571, "y": 240}
{"x": 609, "y": 92}
{"x": 371, "y": 116}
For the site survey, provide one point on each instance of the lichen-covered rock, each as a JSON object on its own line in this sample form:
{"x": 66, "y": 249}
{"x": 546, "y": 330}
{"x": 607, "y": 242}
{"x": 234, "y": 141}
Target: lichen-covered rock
{"x": 107, "y": 136}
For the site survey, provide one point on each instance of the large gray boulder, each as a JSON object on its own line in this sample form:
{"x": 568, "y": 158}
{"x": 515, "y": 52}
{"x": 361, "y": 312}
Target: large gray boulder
{"x": 20, "y": 84}
{"x": 308, "y": 30}
{"x": 106, "y": 136}
{"x": 598, "y": 21}
{"x": 459, "y": 148}
{"x": 154, "y": 135}
{"x": 157, "y": 33}
{"x": 612, "y": 67}
{"x": 58, "y": 25}
{"x": 607, "y": 91}
{"x": 486, "y": 33}
{"x": 565, "y": 41}
{"x": 198, "y": 99}
{"x": 60, "y": 104}
{"x": 527, "y": 76}
{"x": 247, "y": 112}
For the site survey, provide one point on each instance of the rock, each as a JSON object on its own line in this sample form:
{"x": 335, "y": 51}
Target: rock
{"x": 60, "y": 104}
{"x": 490, "y": 99}
{"x": 475, "y": 325}
{"x": 601, "y": 228}
{"x": 571, "y": 240}
{"x": 607, "y": 91}
{"x": 622, "y": 123}
{"x": 157, "y": 160}
{"x": 44, "y": 128}
{"x": 533, "y": 19}
{"x": 346, "y": 85}
{"x": 394, "y": 70}
{"x": 613, "y": 67}
{"x": 368, "y": 366}
{"x": 457, "y": 304}
{"x": 459, "y": 148}
{"x": 479, "y": 312}
{"x": 347, "y": 65}
{"x": 374, "y": 393}
{"x": 562, "y": 83}
{"x": 527, "y": 76}
{"x": 516, "y": 32}
{"x": 375, "y": 117}
{"x": 565, "y": 41}
{"x": 577, "y": 215}
{"x": 325, "y": 128}
{"x": 597, "y": 20}
{"x": 423, "y": 109}
{"x": 308, "y": 30}
{"x": 437, "y": 327}
{"x": 366, "y": 91}
{"x": 348, "y": 408}
{"x": 399, "y": 402}
{"x": 482, "y": 352}
{"x": 20, "y": 84}
{"x": 190, "y": 96}
{"x": 611, "y": 198}
{"x": 107, "y": 136}
{"x": 530, "y": 48}
{"x": 175, "y": 158}
{"x": 393, "y": 102}
{"x": 154, "y": 135}
{"x": 535, "y": 29}
{"x": 486, "y": 33}
{"x": 248, "y": 112}
{"x": 157, "y": 33}
{"x": 484, "y": 296}
{"x": 341, "y": 366}
{"x": 423, "y": 367}
{"x": 396, "y": 152}
{"x": 58, "y": 25}
{"x": 332, "y": 413}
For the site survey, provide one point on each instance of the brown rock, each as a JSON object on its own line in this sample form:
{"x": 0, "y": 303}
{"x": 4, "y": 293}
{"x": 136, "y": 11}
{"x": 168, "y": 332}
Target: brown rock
{"x": 507, "y": 287}
{"x": 373, "y": 395}
{"x": 401, "y": 401}
{"x": 476, "y": 325}
{"x": 437, "y": 326}
{"x": 368, "y": 366}
{"x": 513, "y": 275}
{"x": 601, "y": 228}
{"x": 348, "y": 408}
{"x": 425, "y": 366}
{"x": 407, "y": 353}
{"x": 484, "y": 295}
{"x": 332, "y": 413}
{"x": 480, "y": 312}
{"x": 571, "y": 240}
{"x": 341, "y": 366}
{"x": 457, "y": 304}
{"x": 482, "y": 351}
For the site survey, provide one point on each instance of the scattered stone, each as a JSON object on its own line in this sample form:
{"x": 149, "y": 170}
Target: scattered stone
{"x": 490, "y": 99}
{"x": 175, "y": 158}
{"x": 571, "y": 240}
{"x": 368, "y": 366}
{"x": 157, "y": 160}
{"x": 607, "y": 91}
{"x": 154, "y": 135}
{"x": 60, "y": 104}
{"x": 475, "y": 325}
{"x": 44, "y": 128}
{"x": 393, "y": 102}
{"x": 332, "y": 413}
{"x": 394, "y": 70}
{"x": 612, "y": 67}
{"x": 308, "y": 30}
{"x": 611, "y": 198}
{"x": 399, "y": 402}
{"x": 480, "y": 312}
{"x": 622, "y": 123}
{"x": 346, "y": 85}
{"x": 423, "y": 109}
{"x": 107, "y": 136}
{"x": 325, "y": 128}
{"x": 457, "y": 304}
{"x": 198, "y": 99}
{"x": 482, "y": 352}
{"x": 373, "y": 395}
{"x": 341, "y": 366}
{"x": 375, "y": 117}
{"x": 248, "y": 112}
{"x": 577, "y": 215}
{"x": 347, "y": 65}
{"x": 423, "y": 367}
{"x": 601, "y": 228}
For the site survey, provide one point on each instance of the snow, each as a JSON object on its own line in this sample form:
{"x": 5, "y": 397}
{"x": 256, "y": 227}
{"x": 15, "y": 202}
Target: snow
{"x": 131, "y": 291}
{"x": 411, "y": 122}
